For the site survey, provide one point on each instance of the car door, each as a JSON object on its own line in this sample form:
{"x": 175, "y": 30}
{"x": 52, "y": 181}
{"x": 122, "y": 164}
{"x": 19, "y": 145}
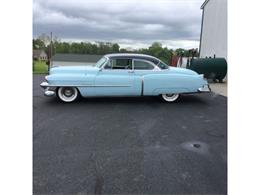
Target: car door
{"x": 141, "y": 68}
{"x": 115, "y": 78}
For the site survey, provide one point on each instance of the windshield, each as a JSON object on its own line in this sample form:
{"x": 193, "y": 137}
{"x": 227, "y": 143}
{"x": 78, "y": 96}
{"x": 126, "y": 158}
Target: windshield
{"x": 162, "y": 65}
{"x": 100, "y": 62}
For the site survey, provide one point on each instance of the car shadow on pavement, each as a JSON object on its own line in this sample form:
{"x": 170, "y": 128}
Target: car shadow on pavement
{"x": 184, "y": 99}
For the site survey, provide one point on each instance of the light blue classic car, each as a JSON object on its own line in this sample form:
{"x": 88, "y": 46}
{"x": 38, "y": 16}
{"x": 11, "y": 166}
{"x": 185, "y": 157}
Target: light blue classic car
{"x": 123, "y": 75}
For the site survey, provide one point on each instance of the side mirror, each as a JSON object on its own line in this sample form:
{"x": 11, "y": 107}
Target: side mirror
{"x": 100, "y": 70}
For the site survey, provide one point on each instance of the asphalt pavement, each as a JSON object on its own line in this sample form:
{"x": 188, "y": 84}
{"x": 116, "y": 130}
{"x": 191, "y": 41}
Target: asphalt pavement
{"x": 129, "y": 145}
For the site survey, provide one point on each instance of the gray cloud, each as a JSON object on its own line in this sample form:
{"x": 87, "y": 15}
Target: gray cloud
{"x": 175, "y": 23}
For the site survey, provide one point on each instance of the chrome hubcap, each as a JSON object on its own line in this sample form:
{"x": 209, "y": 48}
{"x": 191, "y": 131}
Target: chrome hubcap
{"x": 68, "y": 92}
{"x": 170, "y": 97}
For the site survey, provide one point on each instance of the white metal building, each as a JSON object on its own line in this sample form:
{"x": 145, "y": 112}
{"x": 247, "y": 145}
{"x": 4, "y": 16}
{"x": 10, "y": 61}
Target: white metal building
{"x": 213, "y": 38}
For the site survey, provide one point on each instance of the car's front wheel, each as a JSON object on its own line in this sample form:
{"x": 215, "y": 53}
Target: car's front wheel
{"x": 67, "y": 94}
{"x": 170, "y": 97}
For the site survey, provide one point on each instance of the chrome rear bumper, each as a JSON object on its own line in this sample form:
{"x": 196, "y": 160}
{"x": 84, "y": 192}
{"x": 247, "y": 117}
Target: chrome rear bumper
{"x": 48, "y": 91}
{"x": 204, "y": 88}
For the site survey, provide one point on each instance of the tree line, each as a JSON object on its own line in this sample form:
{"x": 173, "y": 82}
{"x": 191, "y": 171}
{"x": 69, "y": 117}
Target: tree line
{"x": 101, "y": 48}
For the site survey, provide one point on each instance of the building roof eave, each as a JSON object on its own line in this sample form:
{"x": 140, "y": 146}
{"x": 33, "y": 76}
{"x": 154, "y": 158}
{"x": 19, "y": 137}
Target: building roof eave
{"x": 204, "y": 4}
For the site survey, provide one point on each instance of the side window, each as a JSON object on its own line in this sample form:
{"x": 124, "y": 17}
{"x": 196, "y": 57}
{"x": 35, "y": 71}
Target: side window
{"x": 142, "y": 65}
{"x": 119, "y": 64}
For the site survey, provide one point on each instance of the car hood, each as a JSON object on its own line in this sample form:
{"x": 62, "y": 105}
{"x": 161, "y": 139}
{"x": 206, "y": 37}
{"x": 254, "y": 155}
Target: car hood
{"x": 72, "y": 69}
{"x": 182, "y": 71}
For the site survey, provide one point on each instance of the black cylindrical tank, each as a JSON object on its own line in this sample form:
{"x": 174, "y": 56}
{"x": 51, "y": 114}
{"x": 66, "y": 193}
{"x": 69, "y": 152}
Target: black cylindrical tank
{"x": 212, "y": 68}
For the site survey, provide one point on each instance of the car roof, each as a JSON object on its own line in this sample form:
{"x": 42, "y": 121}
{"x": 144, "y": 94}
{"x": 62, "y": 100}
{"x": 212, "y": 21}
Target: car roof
{"x": 133, "y": 55}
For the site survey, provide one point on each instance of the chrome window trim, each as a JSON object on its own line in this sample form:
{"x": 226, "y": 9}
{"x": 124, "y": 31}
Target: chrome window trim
{"x": 131, "y": 55}
{"x": 134, "y": 55}
{"x": 102, "y": 67}
{"x": 163, "y": 63}
{"x": 156, "y": 67}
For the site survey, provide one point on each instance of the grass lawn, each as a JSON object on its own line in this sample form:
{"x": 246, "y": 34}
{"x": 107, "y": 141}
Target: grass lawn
{"x": 40, "y": 67}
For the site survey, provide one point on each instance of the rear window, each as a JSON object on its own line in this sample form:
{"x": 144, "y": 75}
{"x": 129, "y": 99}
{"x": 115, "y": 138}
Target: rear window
{"x": 142, "y": 65}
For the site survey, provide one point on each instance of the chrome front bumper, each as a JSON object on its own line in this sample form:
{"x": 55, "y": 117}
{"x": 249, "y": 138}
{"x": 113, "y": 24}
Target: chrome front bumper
{"x": 204, "y": 88}
{"x": 48, "y": 91}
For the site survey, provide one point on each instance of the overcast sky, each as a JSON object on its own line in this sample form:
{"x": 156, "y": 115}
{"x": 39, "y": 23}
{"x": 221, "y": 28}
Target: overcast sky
{"x": 131, "y": 23}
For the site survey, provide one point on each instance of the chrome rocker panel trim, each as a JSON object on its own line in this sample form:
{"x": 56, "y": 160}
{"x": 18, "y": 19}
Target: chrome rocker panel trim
{"x": 49, "y": 90}
{"x": 45, "y": 85}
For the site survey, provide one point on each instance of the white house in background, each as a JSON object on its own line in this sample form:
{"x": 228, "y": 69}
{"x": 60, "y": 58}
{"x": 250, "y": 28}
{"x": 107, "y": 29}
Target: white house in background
{"x": 74, "y": 59}
{"x": 39, "y": 54}
{"x": 213, "y": 38}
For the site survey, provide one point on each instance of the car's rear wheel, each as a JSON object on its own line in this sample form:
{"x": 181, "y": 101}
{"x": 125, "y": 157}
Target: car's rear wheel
{"x": 170, "y": 97}
{"x": 67, "y": 94}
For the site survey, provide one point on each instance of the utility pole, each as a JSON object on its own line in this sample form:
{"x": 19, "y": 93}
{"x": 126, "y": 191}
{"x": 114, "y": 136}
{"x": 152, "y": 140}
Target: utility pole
{"x": 50, "y": 54}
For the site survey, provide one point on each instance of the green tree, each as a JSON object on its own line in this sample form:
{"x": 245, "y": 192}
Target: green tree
{"x": 46, "y": 39}
{"x": 180, "y": 51}
{"x": 158, "y": 51}
{"x": 38, "y": 44}
{"x": 123, "y": 50}
{"x": 115, "y": 48}
{"x": 94, "y": 49}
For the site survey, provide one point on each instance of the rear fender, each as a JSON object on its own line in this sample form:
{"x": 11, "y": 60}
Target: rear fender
{"x": 157, "y": 84}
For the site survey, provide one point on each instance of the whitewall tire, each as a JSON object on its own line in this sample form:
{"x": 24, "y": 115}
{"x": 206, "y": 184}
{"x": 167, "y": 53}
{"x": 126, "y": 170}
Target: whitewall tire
{"x": 67, "y": 94}
{"x": 170, "y": 97}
